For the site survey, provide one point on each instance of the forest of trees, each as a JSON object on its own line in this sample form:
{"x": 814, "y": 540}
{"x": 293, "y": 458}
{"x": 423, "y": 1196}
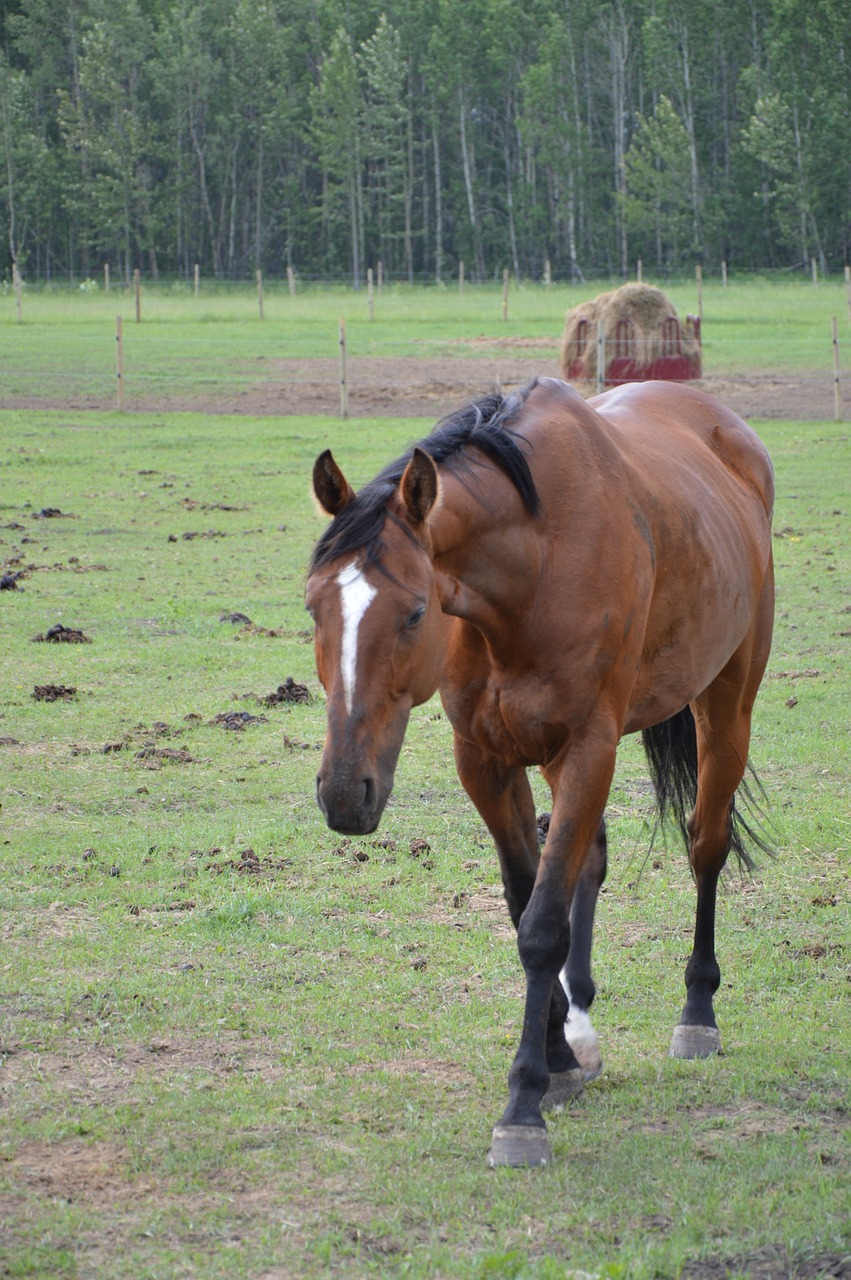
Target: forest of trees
{"x": 329, "y": 135}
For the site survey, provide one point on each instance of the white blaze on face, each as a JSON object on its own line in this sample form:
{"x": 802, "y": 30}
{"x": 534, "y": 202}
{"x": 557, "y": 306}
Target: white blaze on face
{"x": 356, "y": 595}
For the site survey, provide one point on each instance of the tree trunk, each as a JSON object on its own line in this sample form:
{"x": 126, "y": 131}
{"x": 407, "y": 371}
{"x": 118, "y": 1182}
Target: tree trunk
{"x": 438, "y": 204}
{"x": 258, "y": 198}
{"x": 408, "y": 195}
{"x": 10, "y": 179}
{"x": 233, "y": 210}
{"x": 618, "y": 36}
{"x": 688, "y": 113}
{"x": 471, "y": 196}
{"x": 353, "y": 219}
{"x": 205, "y": 200}
{"x": 361, "y": 240}
{"x": 509, "y": 186}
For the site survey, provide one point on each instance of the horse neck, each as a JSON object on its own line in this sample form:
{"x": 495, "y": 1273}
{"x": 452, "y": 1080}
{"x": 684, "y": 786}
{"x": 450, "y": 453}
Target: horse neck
{"x": 487, "y": 554}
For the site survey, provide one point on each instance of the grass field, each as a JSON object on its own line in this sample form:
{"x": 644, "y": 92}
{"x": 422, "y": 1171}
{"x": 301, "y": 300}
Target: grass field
{"x": 235, "y": 1044}
{"x": 65, "y": 349}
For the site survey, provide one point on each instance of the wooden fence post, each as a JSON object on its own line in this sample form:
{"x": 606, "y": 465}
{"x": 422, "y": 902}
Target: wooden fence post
{"x": 639, "y": 271}
{"x": 106, "y": 277}
{"x": 723, "y": 273}
{"x": 119, "y": 362}
{"x": 461, "y": 276}
{"x": 197, "y": 280}
{"x": 370, "y": 301}
{"x": 548, "y": 273}
{"x": 601, "y": 357}
{"x": 837, "y": 396}
{"x": 380, "y": 276}
{"x": 137, "y": 289}
{"x": 344, "y": 389}
{"x": 814, "y": 270}
{"x": 505, "y": 279}
{"x": 848, "y": 288}
{"x": 291, "y": 281}
{"x": 259, "y": 275}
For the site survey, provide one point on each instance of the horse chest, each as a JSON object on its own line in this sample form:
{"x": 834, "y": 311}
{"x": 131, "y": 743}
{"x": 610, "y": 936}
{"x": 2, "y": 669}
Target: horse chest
{"x": 521, "y": 721}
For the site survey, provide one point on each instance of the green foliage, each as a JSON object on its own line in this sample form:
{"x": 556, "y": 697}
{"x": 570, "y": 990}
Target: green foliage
{"x": 656, "y": 204}
{"x": 336, "y": 124}
{"x": 328, "y": 137}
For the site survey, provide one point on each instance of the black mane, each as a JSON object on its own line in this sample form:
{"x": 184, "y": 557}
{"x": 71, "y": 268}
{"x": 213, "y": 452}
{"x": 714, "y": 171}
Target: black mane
{"x": 484, "y": 425}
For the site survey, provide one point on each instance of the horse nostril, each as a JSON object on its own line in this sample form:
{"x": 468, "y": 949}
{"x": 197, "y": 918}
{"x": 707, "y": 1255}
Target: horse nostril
{"x": 368, "y": 793}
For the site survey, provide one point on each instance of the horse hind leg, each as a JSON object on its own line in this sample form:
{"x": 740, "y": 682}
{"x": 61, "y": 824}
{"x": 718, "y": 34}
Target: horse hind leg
{"x": 722, "y": 722}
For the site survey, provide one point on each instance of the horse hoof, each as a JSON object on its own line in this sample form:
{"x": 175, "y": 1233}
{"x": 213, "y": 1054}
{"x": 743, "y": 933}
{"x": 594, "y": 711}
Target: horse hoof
{"x": 519, "y": 1146}
{"x": 563, "y": 1086}
{"x": 695, "y": 1042}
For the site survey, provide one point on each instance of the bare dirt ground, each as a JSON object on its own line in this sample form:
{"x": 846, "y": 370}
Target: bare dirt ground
{"x": 410, "y": 387}
{"x": 428, "y": 387}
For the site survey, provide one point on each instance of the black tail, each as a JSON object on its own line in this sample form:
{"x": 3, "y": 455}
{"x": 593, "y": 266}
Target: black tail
{"x": 671, "y": 749}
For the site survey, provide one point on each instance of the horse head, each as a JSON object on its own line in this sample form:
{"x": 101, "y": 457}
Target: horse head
{"x": 379, "y": 632}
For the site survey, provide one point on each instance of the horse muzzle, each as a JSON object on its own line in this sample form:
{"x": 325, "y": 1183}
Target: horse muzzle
{"x": 357, "y": 771}
{"x": 351, "y": 804}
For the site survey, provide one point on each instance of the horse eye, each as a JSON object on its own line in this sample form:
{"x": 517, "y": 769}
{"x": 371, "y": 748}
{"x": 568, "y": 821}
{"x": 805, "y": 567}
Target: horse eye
{"x": 415, "y": 618}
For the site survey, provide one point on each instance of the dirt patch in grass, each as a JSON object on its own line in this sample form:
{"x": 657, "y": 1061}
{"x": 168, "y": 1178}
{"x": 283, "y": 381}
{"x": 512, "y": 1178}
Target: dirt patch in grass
{"x": 71, "y": 1170}
{"x": 771, "y": 1263}
{"x": 109, "y": 1075}
{"x": 490, "y": 903}
{"x": 408, "y": 387}
{"x": 434, "y": 1070}
{"x": 156, "y": 757}
{"x": 97, "y": 1176}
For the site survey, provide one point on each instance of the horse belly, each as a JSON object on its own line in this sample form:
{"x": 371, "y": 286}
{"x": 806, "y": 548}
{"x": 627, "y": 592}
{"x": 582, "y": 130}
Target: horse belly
{"x": 692, "y": 634}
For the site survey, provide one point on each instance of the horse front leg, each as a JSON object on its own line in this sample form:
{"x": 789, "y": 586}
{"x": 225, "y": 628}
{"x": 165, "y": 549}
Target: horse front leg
{"x": 503, "y": 797}
{"x": 544, "y": 942}
{"x": 576, "y": 976}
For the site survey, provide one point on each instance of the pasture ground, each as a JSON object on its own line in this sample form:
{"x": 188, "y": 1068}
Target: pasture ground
{"x": 767, "y": 348}
{"x": 234, "y": 1044}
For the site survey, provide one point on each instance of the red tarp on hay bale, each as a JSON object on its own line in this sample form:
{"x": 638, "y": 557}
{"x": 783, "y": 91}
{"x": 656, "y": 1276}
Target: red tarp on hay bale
{"x": 644, "y": 338}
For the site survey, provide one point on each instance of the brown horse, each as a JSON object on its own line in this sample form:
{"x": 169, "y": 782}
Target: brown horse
{"x": 565, "y": 572}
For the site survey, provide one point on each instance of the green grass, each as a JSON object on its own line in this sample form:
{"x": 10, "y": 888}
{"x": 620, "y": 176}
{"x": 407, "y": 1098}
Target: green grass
{"x": 215, "y": 344}
{"x": 211, "y": 1070}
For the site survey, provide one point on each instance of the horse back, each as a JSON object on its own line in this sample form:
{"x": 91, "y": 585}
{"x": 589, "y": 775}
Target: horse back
{"x": 659, "y": 419}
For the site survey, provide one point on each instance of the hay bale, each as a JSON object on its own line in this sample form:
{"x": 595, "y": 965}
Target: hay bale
{"x": 645, "y": 307}
{"x": 571, "y": 351}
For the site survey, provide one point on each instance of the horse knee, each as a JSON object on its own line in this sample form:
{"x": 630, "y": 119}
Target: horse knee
{"x": 543, "y": 936}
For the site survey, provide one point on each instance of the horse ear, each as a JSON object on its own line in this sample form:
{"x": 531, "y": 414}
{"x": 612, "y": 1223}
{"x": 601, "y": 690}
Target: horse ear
{"x": 420, "y": 486}
{"x": 331, "y": 488}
